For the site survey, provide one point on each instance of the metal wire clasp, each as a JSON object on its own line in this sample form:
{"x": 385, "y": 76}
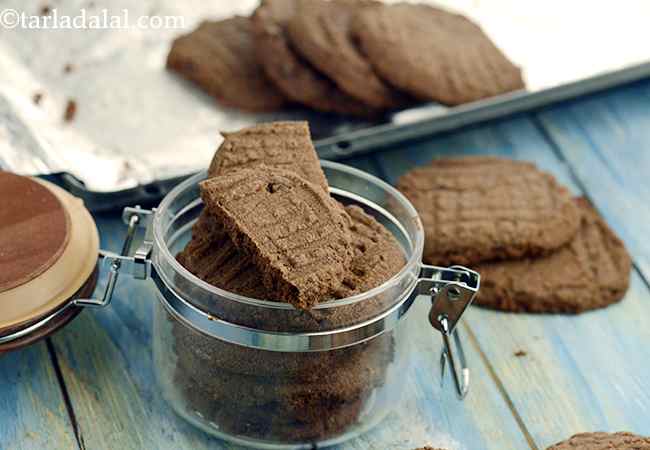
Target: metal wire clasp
{"x": 138, "y": 265}
{"x": 452, "y": 290}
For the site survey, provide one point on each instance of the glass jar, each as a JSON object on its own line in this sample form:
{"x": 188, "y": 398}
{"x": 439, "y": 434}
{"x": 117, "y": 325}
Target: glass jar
{"x": 267, "y": 375}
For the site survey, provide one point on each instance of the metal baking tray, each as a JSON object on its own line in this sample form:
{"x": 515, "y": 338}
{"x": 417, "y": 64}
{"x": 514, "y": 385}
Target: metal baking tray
{"x": 139, "y": 129}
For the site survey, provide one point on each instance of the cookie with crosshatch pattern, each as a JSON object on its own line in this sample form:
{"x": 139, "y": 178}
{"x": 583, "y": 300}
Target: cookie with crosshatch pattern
{"x": 433, "y": 54}
{"x": 286, "y": 145}
{"x": 603, "y": 441}
{"x": 484, "y": 208}
{"x": 220, "y": 57}
{"x": 592, "y": 271}
{"x": 211, "y": 256}
{"x": 293, "y": 75}
{"x": 320, "y": 32}
{"x": 297, "y": 235}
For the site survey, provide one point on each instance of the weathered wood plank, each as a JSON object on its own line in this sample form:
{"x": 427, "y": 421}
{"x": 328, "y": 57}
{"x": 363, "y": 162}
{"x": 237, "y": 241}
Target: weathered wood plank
{"x": 606, "y": 139}
{"x": 34, "y": 415}
{"x": 580, "y": 373}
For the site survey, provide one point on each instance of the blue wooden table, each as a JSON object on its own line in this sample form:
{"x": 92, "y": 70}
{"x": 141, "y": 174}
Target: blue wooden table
{"x": 91, "y": 386}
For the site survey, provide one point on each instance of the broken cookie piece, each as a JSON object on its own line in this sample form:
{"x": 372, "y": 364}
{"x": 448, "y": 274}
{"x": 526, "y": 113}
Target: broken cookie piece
{"x": 211, "y": 256}
{"x": 286, "y": 145}
{"x": 377, "y": 255}
{"x": 296, "y": 234}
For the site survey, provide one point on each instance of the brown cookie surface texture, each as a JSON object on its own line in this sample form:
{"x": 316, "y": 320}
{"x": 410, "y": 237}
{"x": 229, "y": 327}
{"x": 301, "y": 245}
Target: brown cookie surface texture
{"x": 320, "y": 32}
{"x": 592, "y": 271}
{"x": 477, "y": 209}
{"x": 603, "y": 441}
{"x": 220, "y": 58}
{"x": 377, "y": 255}
{"x": 297, "y": 79}
{"x": 285, "y": 145}
{"x": 433, "y": 54}
{"x": 296, "y": 234}
{"x": 290, "y": 395}
{"x": 212, "y": 257}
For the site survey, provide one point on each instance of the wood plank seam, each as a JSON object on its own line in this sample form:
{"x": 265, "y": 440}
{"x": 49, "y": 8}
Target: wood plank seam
{"x": 65, "y": 394}
{"x": 501, "y": 387}
{"x": 576, "y": 179}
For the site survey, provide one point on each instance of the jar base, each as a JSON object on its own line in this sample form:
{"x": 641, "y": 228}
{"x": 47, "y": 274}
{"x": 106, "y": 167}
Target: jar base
{"x": 213, "y": 430}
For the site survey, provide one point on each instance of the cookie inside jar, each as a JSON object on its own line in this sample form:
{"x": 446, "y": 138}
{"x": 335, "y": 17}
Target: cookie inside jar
{"x": 294, "y": 258}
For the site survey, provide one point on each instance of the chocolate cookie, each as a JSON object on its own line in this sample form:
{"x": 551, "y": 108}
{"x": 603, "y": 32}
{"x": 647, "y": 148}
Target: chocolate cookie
{"x": 277, "y": 394}
{"x": 210, "y": 354}
{"x": 285, "y": 145}
{"x": 604, "y": 441}
{"x": 296, "y": 234}
{"x": 212, "y": 257}
{"x": 592, "y": 271}
{"x": 265, "y": 422}
{"x": 293, "y": 75}
{"x": 322, "y": 378}
{"x": 377, "y": 255}
{"x": 433, "y": 54}
{"x": 220, "y": 58}
{"x": 485, "y": 208}
{"x": 320, "y": 32}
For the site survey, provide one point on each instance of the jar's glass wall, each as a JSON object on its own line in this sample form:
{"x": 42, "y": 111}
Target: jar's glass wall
{"x": 273, "y": 399}
{"x": 270, "y": 399}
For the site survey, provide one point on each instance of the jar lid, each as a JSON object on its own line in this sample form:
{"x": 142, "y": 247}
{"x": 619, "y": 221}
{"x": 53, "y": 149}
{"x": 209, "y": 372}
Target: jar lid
{"x": 48, "y": 254}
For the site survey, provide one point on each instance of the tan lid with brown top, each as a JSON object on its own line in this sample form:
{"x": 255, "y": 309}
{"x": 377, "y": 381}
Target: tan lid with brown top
{"x": 48, "y": 250}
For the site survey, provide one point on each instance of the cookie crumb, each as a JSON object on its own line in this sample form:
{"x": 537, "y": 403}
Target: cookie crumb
{"x": 45, "y": 10}
{"x": 520, "y": 353}
{"x": 70, "y": 111}
{"x": 37, "y": 98}
{"x": 68, "y": 68}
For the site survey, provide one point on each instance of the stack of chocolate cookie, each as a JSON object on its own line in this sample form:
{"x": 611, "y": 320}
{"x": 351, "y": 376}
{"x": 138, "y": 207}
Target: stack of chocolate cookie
{"x": 271, "y": 231}
{"x": 537, "y": 248}
{"x": 353, "y": 57}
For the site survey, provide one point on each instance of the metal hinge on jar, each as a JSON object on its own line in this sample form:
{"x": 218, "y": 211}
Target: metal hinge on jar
{"x": 138, "y": 265}
{"x": 451, "y": 290}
